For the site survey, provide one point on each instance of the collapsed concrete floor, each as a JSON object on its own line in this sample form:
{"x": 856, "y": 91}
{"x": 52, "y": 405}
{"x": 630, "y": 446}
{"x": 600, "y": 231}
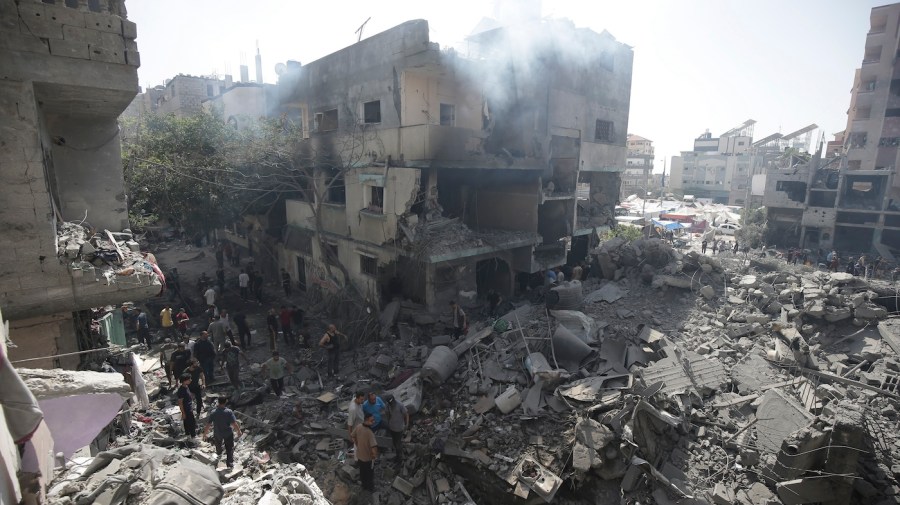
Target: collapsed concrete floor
{"x": 668, "y": 378}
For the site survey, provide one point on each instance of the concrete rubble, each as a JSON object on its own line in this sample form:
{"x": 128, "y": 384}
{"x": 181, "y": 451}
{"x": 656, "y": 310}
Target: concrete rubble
{"x": 697, "y": 381}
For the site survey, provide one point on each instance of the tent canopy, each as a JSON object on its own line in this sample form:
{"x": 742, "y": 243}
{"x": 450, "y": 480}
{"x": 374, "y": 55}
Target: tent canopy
{"x": 669, "y": 225}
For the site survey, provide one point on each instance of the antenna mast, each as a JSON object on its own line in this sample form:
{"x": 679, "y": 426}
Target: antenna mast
{"x": 360, "y": 29}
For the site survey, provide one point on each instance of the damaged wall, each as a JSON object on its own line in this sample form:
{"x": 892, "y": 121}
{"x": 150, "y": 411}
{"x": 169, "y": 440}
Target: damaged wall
{"x": 44, "y": 336}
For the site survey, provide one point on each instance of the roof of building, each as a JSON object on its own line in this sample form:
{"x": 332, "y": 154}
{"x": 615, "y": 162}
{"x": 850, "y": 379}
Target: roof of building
{"x": 636, "y": 138}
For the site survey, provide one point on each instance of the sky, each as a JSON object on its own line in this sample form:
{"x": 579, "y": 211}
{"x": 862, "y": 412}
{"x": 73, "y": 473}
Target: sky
{"x": 698, "y": 64}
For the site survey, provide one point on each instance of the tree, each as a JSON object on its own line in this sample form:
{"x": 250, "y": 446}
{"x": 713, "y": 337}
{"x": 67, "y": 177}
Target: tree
{"x": 754, "y": 230}
{"x": 182, "y": 169}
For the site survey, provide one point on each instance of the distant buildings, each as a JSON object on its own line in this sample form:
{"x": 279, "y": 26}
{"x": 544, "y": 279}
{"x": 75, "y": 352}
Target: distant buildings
{"x": 638, "y": 175}
{"x": 717, "y": 168}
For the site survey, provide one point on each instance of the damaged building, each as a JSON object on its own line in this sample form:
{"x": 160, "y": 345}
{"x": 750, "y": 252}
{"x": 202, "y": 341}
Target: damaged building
{"x": 459, "y": 173}
{"x": 70, "y": 68}
{"x": 850, "y": 194}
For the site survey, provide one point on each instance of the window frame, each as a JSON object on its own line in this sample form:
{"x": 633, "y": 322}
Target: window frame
{"x": 365, "y": 111}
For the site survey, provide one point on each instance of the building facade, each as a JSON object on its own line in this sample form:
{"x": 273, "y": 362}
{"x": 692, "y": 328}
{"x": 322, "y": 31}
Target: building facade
{"x": 459, "y": 171}
{"x": 717, "y": 168}
{"x": 638, "y": 175}
{"x": 68, "y": 72}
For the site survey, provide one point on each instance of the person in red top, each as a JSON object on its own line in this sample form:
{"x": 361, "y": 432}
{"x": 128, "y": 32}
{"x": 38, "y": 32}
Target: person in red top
{"x": 181, "y": 319}
{"x": 286, "y": 318}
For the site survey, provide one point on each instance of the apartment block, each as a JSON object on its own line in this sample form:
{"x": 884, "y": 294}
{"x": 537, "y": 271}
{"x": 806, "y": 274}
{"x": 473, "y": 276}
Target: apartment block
{"x": 464, "y": 169}
{"x": 717, "y": 168}
{"x": 638, "y": 175}
{"x": 69, "y": 70}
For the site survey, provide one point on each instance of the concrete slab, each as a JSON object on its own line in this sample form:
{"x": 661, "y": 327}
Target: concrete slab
{"x": 690, "y": 372}
{"x": 779, "y": 416}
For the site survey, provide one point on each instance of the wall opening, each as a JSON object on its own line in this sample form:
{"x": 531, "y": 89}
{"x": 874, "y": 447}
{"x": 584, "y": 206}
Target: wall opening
{"x": 493, "y": 273}
{"x": 448, "y": 114}
{"x": 371, "y": 112}
{"x": 796, "y": 190}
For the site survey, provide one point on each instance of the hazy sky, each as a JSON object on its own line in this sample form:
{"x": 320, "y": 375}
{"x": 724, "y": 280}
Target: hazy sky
{"x": 698, "y": 64}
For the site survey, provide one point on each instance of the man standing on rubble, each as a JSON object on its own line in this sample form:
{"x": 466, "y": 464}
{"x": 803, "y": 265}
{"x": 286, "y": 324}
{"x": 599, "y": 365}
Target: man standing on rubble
{"x": 205, "y": 353}
{"x": 179, "y": 361}
{"x": 218, "y": 331}
{"x": 285, "y": 317}
{"x": 210, "y": 296}
{"x": 703, "y": 246}
{"x": 366, "y": 452}
{"x": 231, "y": 355}
{"x": 222, "y": 422}
{"x": 167, "y": 322}
{"x": 181, "y": 319}
{"x": 331, "y": 342}
{"x": 286, "y": 282}
{"x": 244, "y": 284}
{"x": 272, "y": 327}
{"x": 277, "y": 368}
{"x": 460, "y": 321}
{"x": 355, "y": 414}
{"x": 240, "y": 321}
{"x": 198, "y": 384}
{"x": 397, "y": 422}
{"x": 374, "y": 406}
{"x": 185, "y": 404}
{"x": 143, "y": 328}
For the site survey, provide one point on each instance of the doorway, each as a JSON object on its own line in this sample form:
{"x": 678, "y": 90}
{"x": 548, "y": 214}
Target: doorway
{"x": 301, "y": 273}
{"x": 493, "y": 273}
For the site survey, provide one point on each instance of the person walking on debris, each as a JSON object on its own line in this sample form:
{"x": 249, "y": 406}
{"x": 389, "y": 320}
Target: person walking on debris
{"x": 374, "y": 406}
{"x": 181, "y": 319}
{"x": 167, "y": 322}
{"x": 332, "y": 345}
{"x": 715, "y": 247}
{"x": 397, "y": 422}
{"x": 218, "y": 331}
{"x": 355, "y": 414}
{"x": 285, "y": 317}
{"x": 224, "y": 426}
{"x": 231, "y": 355}
{"x": 286, "y": 282}
{"x": 494, "y": 299}
{"x": 834, "y": 261}
{"x": 244, "y": 285}
{"x": 220, "y": 255}
{"x": 460, "y": 321}
{"x": 198, "y": 384}
{"x": 185, "y": 404}
{"x": 205, "y": 353}
{"x": 258, "y": 286}
{"x": 173, "y": 284}
{"x": 240, "y": 321}
{"x": 276, "y": 367}
{"x": 220, "y": 279}
{"x": 179, "y": 361}
{"x": 703, "y": 247}
{"x": 210, "y": 296}
{"x": 272, "y": 326}
{"x": 734, "y": 250}
{"x": 143, "y": 328}
{"x": 366, "y": 452}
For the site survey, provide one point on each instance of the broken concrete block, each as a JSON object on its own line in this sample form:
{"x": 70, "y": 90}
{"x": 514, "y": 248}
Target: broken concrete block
{"x": 708, "y": 292}
{"x": 440, "y": 340}
{"x": 870, "y": 311}
{"x": 508, "y": 400}
{"x": 403, "y": 485}
{"x": 722, "y": 495}
{"x": 779, "y": 416}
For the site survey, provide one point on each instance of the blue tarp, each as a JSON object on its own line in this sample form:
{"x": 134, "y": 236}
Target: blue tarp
{"x": 669, "y": 225}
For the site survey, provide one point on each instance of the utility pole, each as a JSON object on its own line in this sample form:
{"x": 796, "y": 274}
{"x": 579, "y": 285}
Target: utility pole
{"x": 360, "y": 29}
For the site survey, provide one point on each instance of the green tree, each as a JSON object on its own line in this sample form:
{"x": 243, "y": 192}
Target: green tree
{"x": 183, "y": 170}
{"x": 754, "y": 230}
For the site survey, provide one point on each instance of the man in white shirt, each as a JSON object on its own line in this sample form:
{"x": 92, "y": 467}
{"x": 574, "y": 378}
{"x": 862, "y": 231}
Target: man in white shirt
{"x": 210, "y": 296}
{"x": 244, "y": 284}
{"x": 355, "y": 415}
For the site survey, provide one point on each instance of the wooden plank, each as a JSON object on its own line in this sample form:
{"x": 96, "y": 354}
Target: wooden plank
{"x": 115, "y": 244}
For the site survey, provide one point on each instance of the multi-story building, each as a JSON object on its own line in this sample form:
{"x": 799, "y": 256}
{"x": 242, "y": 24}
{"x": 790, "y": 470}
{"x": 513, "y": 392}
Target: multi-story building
{"x": 716, "y": 168}
{"x": 182, "y": 95}
{"x": 845, "y": 198}
{"x": 638, "y": 175}
{"x": 69, "y": 70}
{"x": 458, "y": 173}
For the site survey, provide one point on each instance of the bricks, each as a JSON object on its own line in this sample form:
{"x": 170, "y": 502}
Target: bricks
{"x": 64, "y": 15}
{"x": 103, "y": 22}
{"x": 76, "y": 34}
{"x": 129, "y": 29}
{"x": 16, "y": 41}
{"x": 108, "y": 54}
{"x": 69, "y": 49}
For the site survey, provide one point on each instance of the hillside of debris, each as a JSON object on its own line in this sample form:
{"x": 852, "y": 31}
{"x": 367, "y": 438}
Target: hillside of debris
{"x": 663, "y": 377}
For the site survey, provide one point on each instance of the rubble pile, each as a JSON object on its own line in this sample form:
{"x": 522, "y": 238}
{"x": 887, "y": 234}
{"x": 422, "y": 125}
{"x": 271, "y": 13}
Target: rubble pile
{"x": 107, "y": 255}
{"x": 668, "y": 378}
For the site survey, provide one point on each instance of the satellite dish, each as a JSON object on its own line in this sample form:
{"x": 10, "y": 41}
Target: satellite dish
{"x": 280, "y": 68}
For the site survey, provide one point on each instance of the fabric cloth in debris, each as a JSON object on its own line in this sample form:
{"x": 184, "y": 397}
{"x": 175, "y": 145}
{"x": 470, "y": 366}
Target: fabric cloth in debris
{"x": 23, "y": 415}
{"x": 76, "y": 420}
{"x": 140, "y": 387}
